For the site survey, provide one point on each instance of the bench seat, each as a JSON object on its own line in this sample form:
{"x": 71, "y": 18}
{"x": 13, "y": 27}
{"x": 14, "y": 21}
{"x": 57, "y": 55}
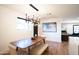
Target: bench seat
{"x": 38, "y": 50}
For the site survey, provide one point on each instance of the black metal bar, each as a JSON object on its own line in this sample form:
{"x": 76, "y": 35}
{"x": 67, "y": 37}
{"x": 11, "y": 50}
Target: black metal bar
{"x": 33, "y": 7}
{"x": 21, "y": 18}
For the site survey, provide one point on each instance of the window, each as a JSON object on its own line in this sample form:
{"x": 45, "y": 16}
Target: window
{"x": 23, "y": 25}
{"x": 76, "y": 29}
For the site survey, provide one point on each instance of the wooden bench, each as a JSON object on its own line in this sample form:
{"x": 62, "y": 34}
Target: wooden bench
{"x": 38, "y": 50}
{"x": 12, "y": 50}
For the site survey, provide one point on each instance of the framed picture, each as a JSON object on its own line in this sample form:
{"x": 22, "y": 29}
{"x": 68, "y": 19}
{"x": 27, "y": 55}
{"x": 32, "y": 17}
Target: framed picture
{"x": 49, "y": 27}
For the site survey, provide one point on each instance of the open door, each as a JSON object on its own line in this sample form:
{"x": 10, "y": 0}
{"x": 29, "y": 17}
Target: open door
{"x": 35, "y": 30}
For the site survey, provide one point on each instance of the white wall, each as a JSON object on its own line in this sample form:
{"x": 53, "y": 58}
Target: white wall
{"x": 8, "y": 32}
{"x": 51, "y": 36}
{"x": 68, "y": 24}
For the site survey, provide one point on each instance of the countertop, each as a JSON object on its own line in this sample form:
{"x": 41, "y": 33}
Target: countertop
{"x": 74, "y": 35}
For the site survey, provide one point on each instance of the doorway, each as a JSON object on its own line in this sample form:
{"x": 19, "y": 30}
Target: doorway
{"x": 35, "y": 30}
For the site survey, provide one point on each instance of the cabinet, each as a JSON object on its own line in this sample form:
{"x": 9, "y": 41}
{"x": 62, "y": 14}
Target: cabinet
{"x": 73, "y": 45}
{"x": 64, "y": 36}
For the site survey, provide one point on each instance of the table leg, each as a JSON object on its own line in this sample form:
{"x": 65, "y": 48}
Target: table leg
{"x": 28, "y": 50}
{"x": 44, "y": 41}
{"x": 16, "y": 48}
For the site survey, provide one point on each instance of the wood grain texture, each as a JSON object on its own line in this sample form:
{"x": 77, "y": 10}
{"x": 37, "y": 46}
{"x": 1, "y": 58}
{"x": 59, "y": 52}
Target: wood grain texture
{"x": 56, "y": 48}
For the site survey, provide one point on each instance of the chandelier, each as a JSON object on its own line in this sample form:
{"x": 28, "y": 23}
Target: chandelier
{"x": 34, "y": 20}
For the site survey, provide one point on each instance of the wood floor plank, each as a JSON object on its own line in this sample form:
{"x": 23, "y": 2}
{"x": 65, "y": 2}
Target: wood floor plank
{"x": 56, "y": 48}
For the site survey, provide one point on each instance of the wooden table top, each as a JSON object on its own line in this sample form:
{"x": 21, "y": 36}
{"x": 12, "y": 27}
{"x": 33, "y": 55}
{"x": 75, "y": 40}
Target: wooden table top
{"x": 36, "y": 40}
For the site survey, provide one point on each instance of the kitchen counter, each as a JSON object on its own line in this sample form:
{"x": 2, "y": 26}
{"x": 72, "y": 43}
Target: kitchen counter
{"x": 74, "y": 35}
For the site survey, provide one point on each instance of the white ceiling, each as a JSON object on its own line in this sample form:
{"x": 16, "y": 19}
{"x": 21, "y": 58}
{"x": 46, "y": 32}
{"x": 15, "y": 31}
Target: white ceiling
{"x": 50, "y": 10}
